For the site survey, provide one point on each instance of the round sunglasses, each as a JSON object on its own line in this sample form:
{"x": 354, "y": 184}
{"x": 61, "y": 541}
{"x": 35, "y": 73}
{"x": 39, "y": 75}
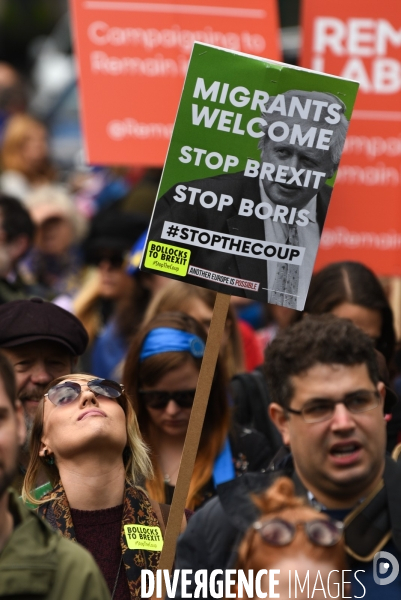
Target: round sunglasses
{"x": 66, "y": 392}
{"x": 279, "y": 532}
{"x": 160, "y": 399}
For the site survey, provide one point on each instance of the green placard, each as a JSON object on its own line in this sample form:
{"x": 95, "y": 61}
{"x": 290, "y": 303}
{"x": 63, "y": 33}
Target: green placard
{"x": 249, "y": 175}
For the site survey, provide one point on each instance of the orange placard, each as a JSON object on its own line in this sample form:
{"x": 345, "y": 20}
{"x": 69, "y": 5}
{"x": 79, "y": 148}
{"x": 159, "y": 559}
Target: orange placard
{"x": 132, "y": 60}
{"x": 362, "y": 40}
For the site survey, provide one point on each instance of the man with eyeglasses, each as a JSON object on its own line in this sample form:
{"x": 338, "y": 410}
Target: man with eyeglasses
{"x": 35, "y": 561}
{"x": 328, "y": 403}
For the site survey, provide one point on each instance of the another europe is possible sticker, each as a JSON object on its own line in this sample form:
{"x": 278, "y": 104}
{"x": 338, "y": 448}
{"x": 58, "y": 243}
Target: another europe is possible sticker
{"x": 143, "y": 537}
{"x": 170, "y": 259}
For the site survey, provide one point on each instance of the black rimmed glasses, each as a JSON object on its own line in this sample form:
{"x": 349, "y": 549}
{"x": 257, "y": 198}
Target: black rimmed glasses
{"x": 160, "y": 399}
{"x": 279, "y": 532}
{"x": 66, "y": 392}
{"x": 322, "y": 409}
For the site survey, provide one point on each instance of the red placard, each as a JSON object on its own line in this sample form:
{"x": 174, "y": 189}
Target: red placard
{"x": 362, "y": 40}
{"x": 132, "y": 60}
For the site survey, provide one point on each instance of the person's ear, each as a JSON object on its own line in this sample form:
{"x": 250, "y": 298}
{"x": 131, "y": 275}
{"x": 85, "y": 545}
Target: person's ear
{"x": 21, "y": 427}
{"x": 44, "y": 449}
{"x": 279, "y": 417}
{"x": 381, "y": 388}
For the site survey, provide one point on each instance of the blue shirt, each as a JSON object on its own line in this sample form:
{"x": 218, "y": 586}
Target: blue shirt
{"x": 109, "y": 349}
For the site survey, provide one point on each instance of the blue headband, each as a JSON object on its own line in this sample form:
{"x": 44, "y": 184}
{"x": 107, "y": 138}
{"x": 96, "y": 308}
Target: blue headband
{"x": 167, "y": 339}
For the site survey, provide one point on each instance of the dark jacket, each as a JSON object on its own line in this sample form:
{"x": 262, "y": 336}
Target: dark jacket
{"x": 251, "y": 452}
{"x": 39, "y": 563}
{"x": 251, "y": 401}
{"x": 226, "y": 221}
{"x": 214, "y": 532}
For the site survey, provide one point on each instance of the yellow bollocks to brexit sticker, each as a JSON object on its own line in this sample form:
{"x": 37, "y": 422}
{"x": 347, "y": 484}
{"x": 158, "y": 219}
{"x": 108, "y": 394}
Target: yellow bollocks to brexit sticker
{"x": 170, "y": 259}
{"x": 143, "y": 537}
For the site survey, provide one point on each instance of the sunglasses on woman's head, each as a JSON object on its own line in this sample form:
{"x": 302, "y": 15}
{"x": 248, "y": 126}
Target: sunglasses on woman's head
{"x": 159, "y": 400}
{"x": 67, "y": 391}
{"x": 321, "y": 532}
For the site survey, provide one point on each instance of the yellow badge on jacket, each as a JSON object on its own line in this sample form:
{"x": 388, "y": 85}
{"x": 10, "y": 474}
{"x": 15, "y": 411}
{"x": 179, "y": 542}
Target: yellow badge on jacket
{"x": 143, "y": 537}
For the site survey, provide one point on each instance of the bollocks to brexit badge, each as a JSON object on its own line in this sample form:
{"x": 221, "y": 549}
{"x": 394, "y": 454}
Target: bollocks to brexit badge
{"x": 143, "y": 537}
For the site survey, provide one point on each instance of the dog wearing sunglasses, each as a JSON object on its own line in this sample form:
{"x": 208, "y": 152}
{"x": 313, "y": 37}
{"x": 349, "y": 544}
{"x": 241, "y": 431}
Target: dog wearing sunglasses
{"x": 294, "y": 539}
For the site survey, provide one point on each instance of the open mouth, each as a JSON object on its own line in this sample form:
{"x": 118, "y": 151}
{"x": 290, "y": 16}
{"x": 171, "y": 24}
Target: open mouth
{"x": 345, "y": 450}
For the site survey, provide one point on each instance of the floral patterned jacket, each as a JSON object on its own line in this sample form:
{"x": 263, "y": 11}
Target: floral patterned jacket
{"x": 137, "y": 510}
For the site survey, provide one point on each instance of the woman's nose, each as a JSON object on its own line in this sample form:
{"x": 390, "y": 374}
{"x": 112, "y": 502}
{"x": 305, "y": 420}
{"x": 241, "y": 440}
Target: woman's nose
{"x": 88, "y": 397}
{"x": 172, "y": 407}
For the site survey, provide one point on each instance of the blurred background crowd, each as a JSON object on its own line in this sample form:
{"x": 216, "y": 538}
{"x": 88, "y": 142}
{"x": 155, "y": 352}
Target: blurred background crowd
{"x": 72, "y": 234}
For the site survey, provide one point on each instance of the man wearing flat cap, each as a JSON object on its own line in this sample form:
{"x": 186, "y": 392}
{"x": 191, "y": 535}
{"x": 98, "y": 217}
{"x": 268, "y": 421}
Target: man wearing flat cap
{"x": 283, "y": 200}
{"x": 42, "y": 341}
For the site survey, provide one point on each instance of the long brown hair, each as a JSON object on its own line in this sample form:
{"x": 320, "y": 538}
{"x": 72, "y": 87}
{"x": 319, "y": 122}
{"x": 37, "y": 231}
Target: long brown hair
{"x": 137, "y": 463}
{"x": 177, "y": 295}
{"x": 352, "y": 282}
{"x": 150, "y": 371}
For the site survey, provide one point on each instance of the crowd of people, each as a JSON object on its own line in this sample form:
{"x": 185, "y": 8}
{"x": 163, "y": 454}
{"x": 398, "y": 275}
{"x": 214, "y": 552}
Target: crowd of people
{"x": 297, "y": 462}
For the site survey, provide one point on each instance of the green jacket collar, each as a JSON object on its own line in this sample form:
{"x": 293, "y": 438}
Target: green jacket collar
{"x": 28, "y": 562}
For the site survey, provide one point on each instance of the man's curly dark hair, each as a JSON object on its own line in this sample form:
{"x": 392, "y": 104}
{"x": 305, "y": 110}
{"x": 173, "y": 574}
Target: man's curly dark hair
{"x": 323, "y": 339}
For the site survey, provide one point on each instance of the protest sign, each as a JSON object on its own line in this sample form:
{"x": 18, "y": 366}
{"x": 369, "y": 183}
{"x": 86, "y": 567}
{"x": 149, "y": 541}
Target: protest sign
{"x": 362, "y": 40}
{"x": 194, "y": 431}
{"x": 243, "y": 197}
{"x": 249, "y": 175}
{"x": 133, "y": 57}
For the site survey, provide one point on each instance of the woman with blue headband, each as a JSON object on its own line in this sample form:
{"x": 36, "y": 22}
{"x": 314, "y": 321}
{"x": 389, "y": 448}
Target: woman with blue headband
{"x": 160, "y": 376}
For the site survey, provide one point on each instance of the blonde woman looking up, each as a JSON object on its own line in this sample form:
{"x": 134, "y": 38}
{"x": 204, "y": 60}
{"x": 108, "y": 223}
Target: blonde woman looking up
{"x": 86, "y": 436}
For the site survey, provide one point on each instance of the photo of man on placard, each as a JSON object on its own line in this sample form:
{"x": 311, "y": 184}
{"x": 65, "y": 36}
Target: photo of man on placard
{"x": 283, "y": 200}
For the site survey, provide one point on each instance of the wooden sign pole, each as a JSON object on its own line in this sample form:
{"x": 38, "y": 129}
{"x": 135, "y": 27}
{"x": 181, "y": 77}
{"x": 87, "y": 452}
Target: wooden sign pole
{"x": 194, "y": 432}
